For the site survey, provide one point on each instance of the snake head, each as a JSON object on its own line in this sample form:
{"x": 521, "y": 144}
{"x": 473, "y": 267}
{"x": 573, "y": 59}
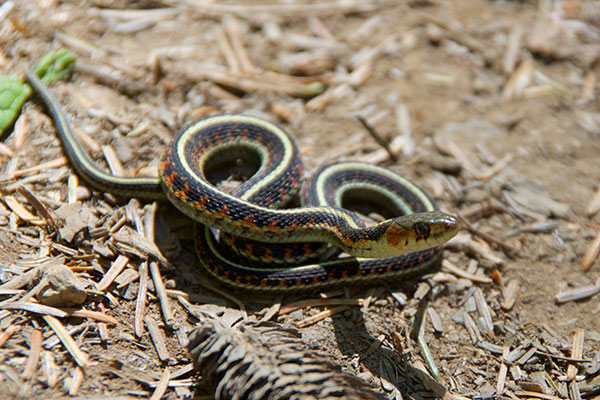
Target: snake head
{"x": 416, "y": 232}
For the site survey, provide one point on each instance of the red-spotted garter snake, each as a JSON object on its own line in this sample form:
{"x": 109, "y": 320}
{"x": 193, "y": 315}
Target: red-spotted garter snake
{"x": 387, "y": 250}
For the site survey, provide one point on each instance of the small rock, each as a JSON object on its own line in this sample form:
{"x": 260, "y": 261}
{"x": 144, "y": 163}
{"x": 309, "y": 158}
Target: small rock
{"x": 61, "y": 287}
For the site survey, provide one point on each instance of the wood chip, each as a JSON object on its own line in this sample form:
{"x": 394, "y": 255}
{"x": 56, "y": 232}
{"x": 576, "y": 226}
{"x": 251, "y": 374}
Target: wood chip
{"x": 21, "y": 211}
{"x": 591, "y": 253}
{"x": 510, "y": 294}
{"x": 484, "y": 311}
{"x": 115, "y": 269}
{"x": 35, "y": 347}
{"x": 436, "y": 320}
{"x": 576, "y": 352}
{"x": 51, "y": 370}
{"x": 76, "y": 380}
{"x": 519, "y": 80}
{"x": 20, "y": 131}
{"x": 594, "y": 204}
{"x": 502, "y": 372}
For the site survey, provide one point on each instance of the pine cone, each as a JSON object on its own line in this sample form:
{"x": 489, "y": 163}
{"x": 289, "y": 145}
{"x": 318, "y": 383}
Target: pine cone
{"x": 263, "y": 360}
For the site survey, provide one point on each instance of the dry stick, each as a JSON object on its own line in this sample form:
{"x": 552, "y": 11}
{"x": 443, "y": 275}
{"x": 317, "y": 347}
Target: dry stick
{"x": 321, "y": 316}
{"x": 149, "y": 232}
{"x": 37, "y": 204}
{"x": 530, "y": 394}
{"x": 455, "y": 151}
{"x": 381, "y": 141}
{"x": 419, "y": 336}
{"x": 288, "y": 308}
{"x": 587, "y": 94}
{"x": 7, "y": 334}
{"x": 157, "y": 338}
{"x": 505, "y": 246}
{"x": 232, "y": 27}
{"x": 20, "y": 131}
{"x": 72, "y": 184}
{"x": 296, "y": 10}
{"x": 94, "y": 315}
{"x": 79, "y": 356}
{"x": 578, "y": 293}
{"x": 161, "y": 293}
{"x": 35, "y": 346}
{"x": 140, "y": 304}
{"x": 20, "y": 210}
{"x": 6, "y": 151}
{"x": 461, "y": 273}
{"x": 162, "y": 386}
{"x": 227, "y": 50}
{"x": 263, "y": 82}
{"x": 53, "y": 164}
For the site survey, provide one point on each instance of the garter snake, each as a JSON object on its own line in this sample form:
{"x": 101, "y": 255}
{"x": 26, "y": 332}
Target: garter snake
{"x": 390, "y": 249}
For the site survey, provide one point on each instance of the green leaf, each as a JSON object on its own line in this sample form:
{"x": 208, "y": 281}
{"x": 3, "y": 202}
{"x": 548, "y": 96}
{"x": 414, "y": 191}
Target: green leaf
{"x": 13, "y": 93}
{"x": 55, "y": 66}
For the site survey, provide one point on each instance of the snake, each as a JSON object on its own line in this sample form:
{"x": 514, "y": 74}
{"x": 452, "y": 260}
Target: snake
{"x": 257, "y": 210}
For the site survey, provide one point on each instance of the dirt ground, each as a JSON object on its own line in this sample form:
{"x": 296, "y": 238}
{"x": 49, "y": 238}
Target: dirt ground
{"x": 491, "y": 106}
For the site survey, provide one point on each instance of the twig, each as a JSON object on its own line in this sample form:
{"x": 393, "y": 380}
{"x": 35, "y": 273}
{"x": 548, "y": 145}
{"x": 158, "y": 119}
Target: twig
{"x": 7, "y": 334}
{"x": 79, "y": 356}
{"x": 140, "y": 304}
{"x": 578, "y": 293}
{"x": 288, "y": 308}
{"x": 381, "y": 141}
{"x": 447, "y": 265}
{"x": 161, "y": 293}
{"x": 157, "y": 339}
{"x": 162, "y": 385}
{"x": 505, "y": 246}
{"x": 296, "y": 10}
{"x": 321, "y": 316}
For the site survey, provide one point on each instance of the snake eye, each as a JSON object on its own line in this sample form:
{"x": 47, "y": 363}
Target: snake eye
{"x": 422, "y": 230}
